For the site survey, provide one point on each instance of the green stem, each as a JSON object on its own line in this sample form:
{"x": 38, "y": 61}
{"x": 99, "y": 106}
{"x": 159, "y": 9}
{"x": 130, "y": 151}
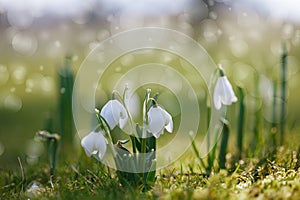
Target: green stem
{"x": 133, "y": 144}
{"x": 257, "y": 117}
{"x": 208, "y": 116}
{"x": 66, "y": 126}
{"x": 283, "y": 94}
{"x": 207, "y": 123}
{"x": 54, "y": 156}
{"x": 240, "y": 124}
{"x": 104, "y": 126}
{"x": 274, "y": 114}
{"x": 144, "y": 131}
{"x": 144, "y": 134}
{"x": 122, "y": 99}
{"x": 223, "y": 145}
{"x": 198, "y": 154}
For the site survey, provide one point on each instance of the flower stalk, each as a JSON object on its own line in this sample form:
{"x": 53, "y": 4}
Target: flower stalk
{"x": 224, "y": 144}
{"x": 52, "y": 140}
{"x": 274, "y": 114}
{"x": 65, "y": 114}
{"x": 257, "y": 118}
{"x": 241, "y": 121}
{"x": 223, "y": 94}
{"x": 283, "y": 93}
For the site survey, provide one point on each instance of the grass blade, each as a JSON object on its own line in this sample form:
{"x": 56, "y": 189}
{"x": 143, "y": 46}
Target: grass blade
{"x": 283, "y": 93}
{"x": 223, "y": 145}
{"x": 240, "y": 124}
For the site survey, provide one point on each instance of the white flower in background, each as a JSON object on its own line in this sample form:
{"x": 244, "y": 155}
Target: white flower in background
{"x": 158, "y": 120}
{"x": 94, "y": 144}
{"x": 114, "y": 113}
{"x": 223, "y": 93}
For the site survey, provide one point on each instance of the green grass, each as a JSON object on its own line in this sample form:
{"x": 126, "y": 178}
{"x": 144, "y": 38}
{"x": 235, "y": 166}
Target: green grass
{"x": 274, "y": 176}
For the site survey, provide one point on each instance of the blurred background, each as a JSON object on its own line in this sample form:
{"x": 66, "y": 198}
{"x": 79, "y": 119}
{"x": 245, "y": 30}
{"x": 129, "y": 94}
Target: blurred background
{"x": 246, "y": 37}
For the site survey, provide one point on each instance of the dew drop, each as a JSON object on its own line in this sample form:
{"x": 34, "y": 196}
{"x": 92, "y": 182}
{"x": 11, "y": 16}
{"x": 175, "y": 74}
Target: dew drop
{"x": 35, "y": 188}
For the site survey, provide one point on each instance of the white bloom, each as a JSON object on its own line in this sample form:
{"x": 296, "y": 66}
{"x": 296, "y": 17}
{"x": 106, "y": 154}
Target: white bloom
{"x": 94, "y": 144}
{"x": 223, "y": 93}
{"x": 158, "y": 120}
{"x": 114, "y": 113}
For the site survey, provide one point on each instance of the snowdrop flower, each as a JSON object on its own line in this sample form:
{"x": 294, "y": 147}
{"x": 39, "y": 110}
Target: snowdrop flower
{"x": 223, "y": 93}
{"x": 94, "y": 144}
{"x": 114, "y": 113}
{"x": 158, "y": 120}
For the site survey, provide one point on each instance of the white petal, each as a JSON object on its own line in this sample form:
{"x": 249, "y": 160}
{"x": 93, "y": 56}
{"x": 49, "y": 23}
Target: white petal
{"x": 116, "y": 109}
{"x": 168, "y": 120}
{"x": 234, "y": 99}
{"x": 101, "y": 146}
{"x": 223, "y": 93}
{"x": 122, "y": 123}
{"x": 217, "y": 94}
{"x": 94, "y": 142}
{"x": 87, "y": 143}
{"x": 88, "y": 152}
{"x": 107, "y": 114}
{"x": 121, "y": 115}
{"x": 229, "y": 95}
{"x": 157, "y": 134}
{"x": 156, "y": 121}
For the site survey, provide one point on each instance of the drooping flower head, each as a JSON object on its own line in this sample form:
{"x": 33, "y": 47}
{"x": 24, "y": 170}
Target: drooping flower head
{"x": 95, "y": 144}
{"x": 114, "y": 113}
{"x": 223, "y": 93}
{"x": 158, "y": 120}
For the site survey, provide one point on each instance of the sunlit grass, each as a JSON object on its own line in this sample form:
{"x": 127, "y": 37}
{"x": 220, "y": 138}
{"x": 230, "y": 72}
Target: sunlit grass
{"x": 275, "y": 175}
